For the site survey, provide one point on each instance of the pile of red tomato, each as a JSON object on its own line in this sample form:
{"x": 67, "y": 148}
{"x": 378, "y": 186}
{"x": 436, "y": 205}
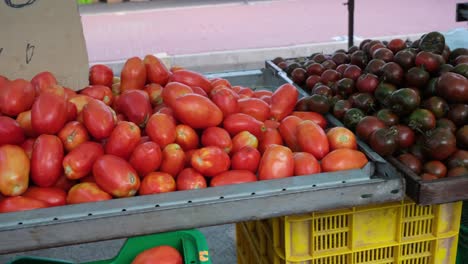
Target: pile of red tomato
{"x": 154, "y": 130}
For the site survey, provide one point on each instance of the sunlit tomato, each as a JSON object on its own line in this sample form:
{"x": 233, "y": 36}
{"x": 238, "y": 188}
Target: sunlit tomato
{"x": 86, "y": 192}
{"x": 233, "y": 177}
{"x": 271, "y": 136}
{"x": 197, "y": 111}
{"x": 100, "y": 75}
{"x": 164, "y": 255}
{"x": 72, "y": 135}
{"x": 277, "y": 162}
{"x": 24, "y": 121}
{"x": 226, "y": 100}
{"x": 190, "y": 179}
{"x": 174, "y": 90}
{"x": 43, "y": 80}
{"x": 210, "y": 161}
{"x": 17, "y": 96}
{"x": 436, "y": 168}
{"x": 154, "y": 92}
{"x": 318, "y": 118}
{"x": 98, "y": 119}
{"x": 260, "y": 93}
{"x": 20, "y": 203}
{"x": 283, "y": 101}
{"x": 176, "y": 68}
{"x": 311, "y": 138}
{"x": 343, "y": 159}
{"x": 28, "y": 146}
{"x": 53, "y": 196}
{"x": 254, "y": 107}
{"x": 247, "y": 158}
{"x": 305, "y": 164}
{"x": 123, "y": 140}
{"x": 99, "y": 92}
{"x": 54, "y": 89}
{"x": 288, "y": 131}
{"x": 161, "y": 129}
{"x": 157, "y": 182}
{"x": 133, "y": 75}
{"x": 79, "y": 162}
{"x": 14, "y": 170}
{"x": 156, "y": 71}
{"x": 244, "y": 138}
{"x": 135, "y": 105}
{"x": 245, "y": 92}
{"x": 186, "y": 137}
{"x": 173, "y": 159}
{"x": 220, "y": 81}
{"x": 219, "y": 88}
{"x": 191, "y": 78}
{"x": 48, "y": 114}
{"x": 146, "y": 158}
{"x": 10, "y": 131}
{"x": 341, "y": 137}
{"x": 239, "y": 122}
{"x": 46, "y": 160}
{"x": 116, "y": 176}
{"x": 80, "y": 101}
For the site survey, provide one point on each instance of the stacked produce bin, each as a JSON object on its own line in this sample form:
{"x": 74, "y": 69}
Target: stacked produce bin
{"x": 398, "y": 232}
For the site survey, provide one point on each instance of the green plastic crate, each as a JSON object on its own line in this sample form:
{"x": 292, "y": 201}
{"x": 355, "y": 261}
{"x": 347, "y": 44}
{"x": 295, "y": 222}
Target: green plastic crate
{"x": 190, "y": 243}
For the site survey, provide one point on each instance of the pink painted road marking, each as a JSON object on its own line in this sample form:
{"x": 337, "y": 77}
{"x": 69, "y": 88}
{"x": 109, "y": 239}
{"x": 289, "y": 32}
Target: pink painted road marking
{"x": 191, "y": 30}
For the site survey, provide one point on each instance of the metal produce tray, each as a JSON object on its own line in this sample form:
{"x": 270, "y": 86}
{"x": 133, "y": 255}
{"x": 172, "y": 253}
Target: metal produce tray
{"x": 377, "y": 182}
{"x": 445, "y": 190}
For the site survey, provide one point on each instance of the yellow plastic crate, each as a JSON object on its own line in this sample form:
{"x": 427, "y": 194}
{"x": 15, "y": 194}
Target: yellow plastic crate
{"x": 399, "y": 232}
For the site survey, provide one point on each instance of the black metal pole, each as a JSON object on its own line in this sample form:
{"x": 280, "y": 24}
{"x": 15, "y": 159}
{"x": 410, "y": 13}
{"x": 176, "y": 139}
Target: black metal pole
{"x": 350, "y": 23}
